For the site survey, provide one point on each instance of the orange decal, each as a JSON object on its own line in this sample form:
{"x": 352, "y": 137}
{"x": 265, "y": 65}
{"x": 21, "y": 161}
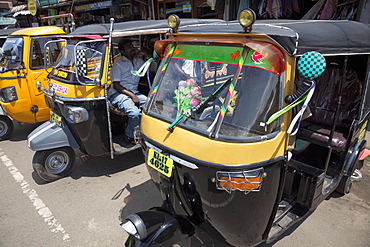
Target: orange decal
{"x": 177, "y": 52}
{"x": 235, "y": 55}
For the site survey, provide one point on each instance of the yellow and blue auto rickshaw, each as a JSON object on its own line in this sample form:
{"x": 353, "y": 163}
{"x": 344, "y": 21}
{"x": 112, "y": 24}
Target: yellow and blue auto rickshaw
{"x": 249, "y": 126}
{"x": 81, "y": 115}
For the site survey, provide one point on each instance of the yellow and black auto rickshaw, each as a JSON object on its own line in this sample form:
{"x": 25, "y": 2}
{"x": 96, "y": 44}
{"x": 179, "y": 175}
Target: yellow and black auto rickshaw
{"x": 21, "y": 64}
{"x": 81, "y": 116}
{"x": 249, "y": 126}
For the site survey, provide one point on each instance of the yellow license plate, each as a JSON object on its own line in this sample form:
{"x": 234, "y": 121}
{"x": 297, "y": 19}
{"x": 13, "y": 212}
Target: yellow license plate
{"x": 160, "y": 162}
{"x": 56, "y": 118}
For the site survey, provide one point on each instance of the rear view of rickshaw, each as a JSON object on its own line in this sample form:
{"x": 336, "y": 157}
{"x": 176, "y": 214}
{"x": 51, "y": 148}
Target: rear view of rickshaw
{"x": 81, "y": 116}
{"x": 21, "y": 64}
{"x": 249, "y": 127}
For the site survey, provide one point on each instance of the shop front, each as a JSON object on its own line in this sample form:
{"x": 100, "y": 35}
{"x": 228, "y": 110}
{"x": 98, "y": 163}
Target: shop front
{"x": 93, "y": 13}
{"x": 356, "y": 10}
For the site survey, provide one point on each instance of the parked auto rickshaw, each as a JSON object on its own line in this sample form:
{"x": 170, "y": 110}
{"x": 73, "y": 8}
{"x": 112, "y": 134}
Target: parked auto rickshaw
{"x": 21, "y": 64}
{"x": 82, "y": 117}
{"x": 249, "y": 126}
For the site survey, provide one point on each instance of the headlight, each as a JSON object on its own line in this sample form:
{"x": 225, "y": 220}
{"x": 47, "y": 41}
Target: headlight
{"x": 247, "y": 18}
{"x": 173, "y": 22}
{"x": 75, "y": 114}
{"x": 8, "y": 94}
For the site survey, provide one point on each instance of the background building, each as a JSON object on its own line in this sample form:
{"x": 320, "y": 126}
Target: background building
{"x": 92, "y": 11}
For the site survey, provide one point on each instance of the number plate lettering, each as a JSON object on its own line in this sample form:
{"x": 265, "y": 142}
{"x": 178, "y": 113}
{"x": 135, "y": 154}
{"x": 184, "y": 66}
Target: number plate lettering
{"x": 160, "y": 162}
{"x": 56, "y": 118}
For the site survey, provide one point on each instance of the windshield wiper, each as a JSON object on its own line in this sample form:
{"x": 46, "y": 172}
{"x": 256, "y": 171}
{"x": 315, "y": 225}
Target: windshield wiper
{"x": 200, "y": 107}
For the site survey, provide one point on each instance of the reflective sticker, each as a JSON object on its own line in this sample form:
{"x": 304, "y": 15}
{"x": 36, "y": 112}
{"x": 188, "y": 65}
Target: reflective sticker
{"x": 362, "y": 131}
{"x": 59, "y": 73}
{"x": 60, "y": 89}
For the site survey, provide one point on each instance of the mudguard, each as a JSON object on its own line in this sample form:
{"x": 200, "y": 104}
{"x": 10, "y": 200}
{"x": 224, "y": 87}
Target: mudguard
{"x": 49, "y": 135}
{"x": 351, "y": 159}
{"x": 2, "y": 112}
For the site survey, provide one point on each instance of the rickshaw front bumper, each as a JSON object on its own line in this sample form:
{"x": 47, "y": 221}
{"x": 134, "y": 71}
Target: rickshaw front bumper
{"x": 49, "y": 135}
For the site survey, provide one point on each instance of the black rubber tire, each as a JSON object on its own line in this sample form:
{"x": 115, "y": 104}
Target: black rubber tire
{"x": 6, "y": 127}
{"x": 344, "y": 186}
{"x": 53, "y": 164}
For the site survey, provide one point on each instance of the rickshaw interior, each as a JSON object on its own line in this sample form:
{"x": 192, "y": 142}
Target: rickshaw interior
{"x": 88, "y": 71}
{"x": 325, "y": 140}
{"x": 85, "y": 56}
{"x": 90, "y": 59}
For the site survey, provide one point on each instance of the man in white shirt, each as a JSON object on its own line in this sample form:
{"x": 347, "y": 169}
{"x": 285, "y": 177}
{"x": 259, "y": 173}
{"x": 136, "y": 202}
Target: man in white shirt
{"x": 123, "y": 93}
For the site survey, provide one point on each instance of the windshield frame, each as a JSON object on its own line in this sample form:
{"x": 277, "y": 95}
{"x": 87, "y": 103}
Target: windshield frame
{"x": 214, "y": 134}
{"x": 47, "y": 41}
{"x": 69, "y": 76}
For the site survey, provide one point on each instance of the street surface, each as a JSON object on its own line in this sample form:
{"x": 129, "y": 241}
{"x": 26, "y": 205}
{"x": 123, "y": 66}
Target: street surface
{"x": 85, "y": 208}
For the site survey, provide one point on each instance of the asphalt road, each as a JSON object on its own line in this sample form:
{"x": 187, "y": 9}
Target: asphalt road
{"x": 85, "y": 208}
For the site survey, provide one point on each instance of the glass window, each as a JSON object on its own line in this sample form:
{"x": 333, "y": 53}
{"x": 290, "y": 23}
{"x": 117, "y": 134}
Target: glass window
{"x": 192, "y": 73}
{"x": 11, "y": 54}
{"x": 256, "y": 98}
{"x": 38, "y": 52}
{"x": 90, "y": 62}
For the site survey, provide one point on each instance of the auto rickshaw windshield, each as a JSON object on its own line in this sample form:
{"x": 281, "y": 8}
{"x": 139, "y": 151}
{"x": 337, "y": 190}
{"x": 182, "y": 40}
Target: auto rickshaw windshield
{"x": 11, "y": 54}
{"x": 190, "y": 73}
{"x": 66, "y": 62}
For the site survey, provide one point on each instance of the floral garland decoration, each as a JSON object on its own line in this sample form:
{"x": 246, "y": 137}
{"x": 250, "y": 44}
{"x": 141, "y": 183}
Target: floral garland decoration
{"x": 188, "y": 95}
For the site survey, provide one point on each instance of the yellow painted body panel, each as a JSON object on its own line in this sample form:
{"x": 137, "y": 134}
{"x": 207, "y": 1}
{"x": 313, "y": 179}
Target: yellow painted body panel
{"x": 77, "y": 91}
{"x": 38, "y": 31}
{"x": 208, "y": 150}
{"x": 28, "y": 96}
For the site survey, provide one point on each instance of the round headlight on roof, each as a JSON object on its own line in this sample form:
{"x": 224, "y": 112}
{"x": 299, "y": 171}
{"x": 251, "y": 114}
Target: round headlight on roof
{"x": 247, "y": 17}
{"x": 173, "y": 22}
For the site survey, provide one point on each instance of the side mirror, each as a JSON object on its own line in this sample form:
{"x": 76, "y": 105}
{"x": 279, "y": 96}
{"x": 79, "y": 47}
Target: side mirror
{"x": 81, "y": 62}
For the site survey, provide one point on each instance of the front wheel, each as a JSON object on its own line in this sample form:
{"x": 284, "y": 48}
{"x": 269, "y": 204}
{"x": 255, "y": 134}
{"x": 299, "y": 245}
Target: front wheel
{"x": 6, "y": 127}
{"x": 53, "y": 164}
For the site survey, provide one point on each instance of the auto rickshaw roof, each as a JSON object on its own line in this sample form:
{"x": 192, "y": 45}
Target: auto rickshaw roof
{"x": 329, "y": 37}
{"x": 130, "y": 28}
{"x": 38, "y": 31}
{"x": 8, "y": 31}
